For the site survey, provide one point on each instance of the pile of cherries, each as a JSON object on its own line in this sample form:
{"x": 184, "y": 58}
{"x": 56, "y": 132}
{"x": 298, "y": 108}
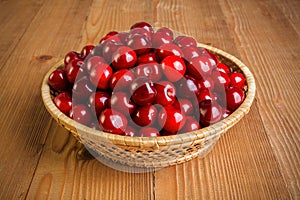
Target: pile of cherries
{"x": 146, "y": 83}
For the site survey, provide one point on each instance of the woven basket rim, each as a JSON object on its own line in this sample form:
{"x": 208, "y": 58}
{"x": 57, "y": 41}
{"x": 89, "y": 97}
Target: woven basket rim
{"x": 226, "y": 123}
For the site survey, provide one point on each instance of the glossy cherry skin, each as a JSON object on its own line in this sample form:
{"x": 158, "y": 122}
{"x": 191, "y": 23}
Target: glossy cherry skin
{"x": 72, "y": 69}
{"x": 69, "y": 57}
{"x": 152, "y": 70}
{"x": 210, "y": 112}
{"x": 184, "y": 105}
{"x": 221, "y": 81}
{"x": 86, "y": 51}
{"x": 130, "y": 131}
{"x": 111, "y": 36}
{"x": 120, "y": 101}
{"x": 94, "y": 61}
{"x": 139, "y": 31}
{"x": 190, "y": 52}
{"x": 171, "y": 119}
{"x": 149, "y": 132}
{"x": 166, "y": 31}
{"x": 207, "y": 83}
{"x": 143, "y": 25}
{"x": 200, "y": 67}
{"x": 173, "y": 67}
{"x": 166, "y": 93}
{"x": 188, "y": 87}
{"x": 81, "y": 114}
{"x": 58, "y": 80}
{"x": 226, "y": 113}
{"x": 160, "y": 38}
{"x": 123, "y": 37}
{"x": 147, "y": 58}
{"x": 145, "y": 94}
{"x": 124, "y": 58}
{"x": 185, "y": 41}
{"x": 191, "y": 124}
{"x": 168, "y": 50}
{"x": 112, "y": 121}
{"x": 63, "y": 102}
{"x": 237, "y": 80}
{"x": 235, "y": 97}
{"x": 145, "y": 115}
{"x": 100, "y": 76}
{"x": 99, "y": 101}
{"x": 139, "y": 43}
{"x": 108, "y": 49}
{"x": 205, "y": 94}
{"x": 223, "y": 68}
{"x": 82, "y": 89}
{"x": 121, "y": 80}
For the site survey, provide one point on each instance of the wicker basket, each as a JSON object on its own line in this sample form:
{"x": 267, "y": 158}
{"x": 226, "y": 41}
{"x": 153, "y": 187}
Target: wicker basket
{"x": 157, "y": 152}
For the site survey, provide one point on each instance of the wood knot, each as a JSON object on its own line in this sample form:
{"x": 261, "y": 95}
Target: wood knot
{"x": 44, "y": 58}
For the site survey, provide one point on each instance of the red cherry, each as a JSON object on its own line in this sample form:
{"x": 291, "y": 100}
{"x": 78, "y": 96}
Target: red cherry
{"x": 188, "y": 87}
{"x": 210, "y": 112}
{"x": 191, "y": 124}
{"x": 100, "y": 76}
{"x": 171, "y": 119}
{"x": 93, "y": 61}
{"x": 223, "y": 68}
{"x": 151, "y": 70}
{"x": 207, "y": 83}
{"x": 185, "y": 105}
{"x": 112, "y": 121}
{"x": 166, "y": 133}
{"x": 149, "y": 132}
{"x": 139, "y": 43}
{"x": 237, "y": 80}
{"x": 190, "y": 52}
{"x": 205, "y": 94}
{"x": 147, "y": 58}
{"x": 110, "y": 37}
{"x": 174, "y": 68}
{"x": 120, "y": 101}
{"x": 139, "y": 31}
{"x": 226, "y": 113}
{"x": 108, "y": 49}
{"x": 235, "y": 97}
{"x": 143, "y": 25}
{"x": 82, "y": 89}
{"x": 63, "y": 102}
{"x": 86, "y": 51}
{"x": 166, "y": 93}
{"x": 72, "y": 69}
{"x": 99, "y": 101}
{"x": 221, "y": 81}
{"x": 70, "y": 57}
{"x": 200, "y": 67}
{"x": 166, "y": 31}
{"x": 81, "y": 114}
{"x": 145, "y": 94}
{"x": 58, "y": 80}
{"x": 145, "y": 115}
{"x": 212, "y": 57}
{"x": 130, "y": 131}
{"x": 185, "y": 41}
{"x": 121, "y": 79}
{"x": 168, "y": 50}
{"x": 124, "y": 58}
{"x": 160, "y": 38}
{"x": 123, "y": 37}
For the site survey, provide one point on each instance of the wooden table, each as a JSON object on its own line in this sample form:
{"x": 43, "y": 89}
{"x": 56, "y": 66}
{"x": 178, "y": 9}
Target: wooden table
{"x": 257, "y": 159}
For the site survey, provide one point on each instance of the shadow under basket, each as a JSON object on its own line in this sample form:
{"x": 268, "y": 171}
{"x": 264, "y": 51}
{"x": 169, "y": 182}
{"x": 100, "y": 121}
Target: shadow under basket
{"x": 147, "y": 153}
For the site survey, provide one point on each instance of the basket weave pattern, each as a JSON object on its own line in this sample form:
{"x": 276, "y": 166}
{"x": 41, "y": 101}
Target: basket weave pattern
{"x": 159, "y": 151}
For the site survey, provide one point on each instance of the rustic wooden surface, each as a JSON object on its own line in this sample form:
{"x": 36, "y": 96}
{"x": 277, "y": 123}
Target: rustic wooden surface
{"x": 259, "y": 158}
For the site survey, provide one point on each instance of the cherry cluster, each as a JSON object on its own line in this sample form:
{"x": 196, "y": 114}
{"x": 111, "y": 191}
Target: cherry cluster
{"x": 146, "y": 83}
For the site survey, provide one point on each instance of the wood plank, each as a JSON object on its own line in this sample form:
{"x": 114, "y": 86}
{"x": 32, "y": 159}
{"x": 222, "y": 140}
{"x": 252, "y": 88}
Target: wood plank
{"x": 25, "y": 122}
{"x": 60, "y": 174}
{"x": 272, "y": 48}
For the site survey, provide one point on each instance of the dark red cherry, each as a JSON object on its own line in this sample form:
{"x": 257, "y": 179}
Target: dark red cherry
{"x": 94, "y": 61}
{"x": 173, "y": 67}
{"x": 143, "y": 25}
{"x": 168, "y": 50}
{"x": 210, "y": 112}
{"x": 108, "y": 49}
{"x": 99, "y": 101}
{"x": 58, "y": 80}
{"x": 86, "y": 51}
{"x": 205, "y": 94}
{"x": 160, "y": 38}
{"x": 144, "y": 94}
{"x": 124, "y": 58}
{"x": 235, "y": 97}
{"x": 191, "y": 124}
{"x": 110, "y": 37}
{"x": 100, "y": 76}
{"x": 82, "y": 89}
{"x": 171, "y": 119}
{"x": 237, "y": 79}
{"x": 63, "y": 102}
{"x": 190, "y": 52}
{"x": 72, "y": 69}
{"x": 145, "y": 115}
{"x": 166, "y": 31}
{"x": 147, "y": 58}
{"x": 81, "y": 114}
{"x": 112, "y": 121}
{"x": 207, "y": 83}
{"x": 221, "y": 81}
{"x": 223, "y": 68}
{"x": 130, "y": 131}
{"x": 166, "y": 93}
{"x": 185, "y": 41}
{"x": 200, "y": 67}
{"x": 163, "y": 132}
{"x": 139, "y": 43}
{"x": 149, "y": 132}
{"x": 139, "y": 31}
{"x": 70, "y": 57}
{"x": 121, "y": 102}
{"x": 152, "y": 70}
{"x": 185, "y": 105}
{"x": 121, "y": 79}
{"x": 188, "y": 87}
{"x": 226, "y": 113}
{"x": 123, "y": 37}
{"x": 212, "y": 57}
